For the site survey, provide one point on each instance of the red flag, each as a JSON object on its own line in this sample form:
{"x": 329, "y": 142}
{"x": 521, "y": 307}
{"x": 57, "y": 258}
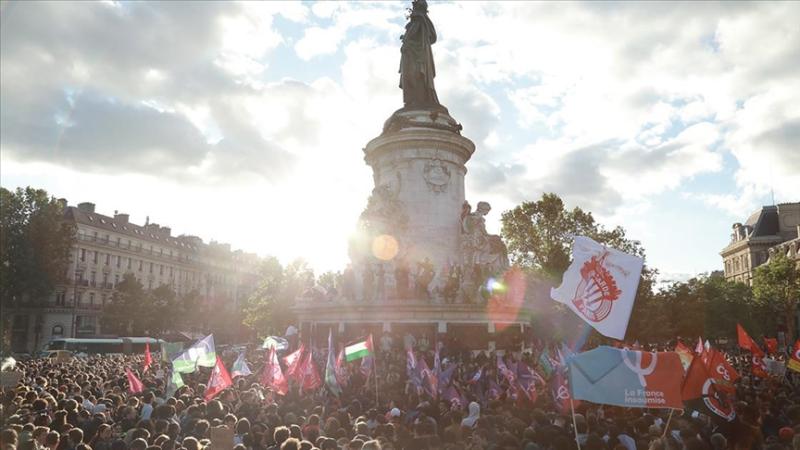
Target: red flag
{"x": 701, "y": 391}
{"x": 308, "y": 374}
{"x": 758, "y": 367}
{"x": 719, "y": 368}
{"x": 771, "y": 344}
{"x": 148, "y": 360}
{"x": 272, "y": 376}
{"x": 219, "y": 381}
{"x": 135, "y": 385}
{"x": 292, "y": 361}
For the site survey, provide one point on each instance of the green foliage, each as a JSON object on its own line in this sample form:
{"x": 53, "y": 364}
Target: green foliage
{"x": 34, "y": 244}
{"x": 268, "y": 310}
{"x": 539, "y": 235}
{"x": 776, "y": 286}
{"x": 34, "y": 250}
{"x": 706, "y": 306}
{"x": 135, "y": 311}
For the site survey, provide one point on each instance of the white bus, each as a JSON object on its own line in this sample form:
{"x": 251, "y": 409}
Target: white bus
{"x": 120, "y": 345}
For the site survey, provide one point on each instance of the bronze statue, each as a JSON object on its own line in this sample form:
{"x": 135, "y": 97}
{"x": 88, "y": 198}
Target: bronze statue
{"x": 416, "y": 59}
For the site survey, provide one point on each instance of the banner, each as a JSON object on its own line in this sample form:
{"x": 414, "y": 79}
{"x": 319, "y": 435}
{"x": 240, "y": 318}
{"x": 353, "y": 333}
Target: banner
{"x": 702, "y": 392}
{"x": 629, "y": 378}
{"x": 202, "y": 353}
{"x": 600, "y": 286}
{"x": 219, "y": 381}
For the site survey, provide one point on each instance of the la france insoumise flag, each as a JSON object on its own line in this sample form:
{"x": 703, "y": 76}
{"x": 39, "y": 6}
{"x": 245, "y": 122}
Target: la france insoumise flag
{"x": 600, "y": 286}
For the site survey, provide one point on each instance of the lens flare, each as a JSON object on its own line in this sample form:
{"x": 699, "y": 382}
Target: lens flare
{"x": 385, "y": 247}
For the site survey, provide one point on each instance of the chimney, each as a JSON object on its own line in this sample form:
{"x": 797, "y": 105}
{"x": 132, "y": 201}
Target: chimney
{"x": 166, "y": 231}
{"x": 86, "y": 207}
{"x": 122, "y": 218}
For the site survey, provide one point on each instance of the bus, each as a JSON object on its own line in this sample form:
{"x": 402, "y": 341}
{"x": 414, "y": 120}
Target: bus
{"x": 104, "y": 346}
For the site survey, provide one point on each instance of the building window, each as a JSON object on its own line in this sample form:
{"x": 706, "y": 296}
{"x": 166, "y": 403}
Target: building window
{"x": 116, "y": 280}
{"x": 61, "y": 298}
{"x": 151, "y": 267}
{"x": 83, "y": 254}
{"x": 57, "y": 331}
{"x": 91, "y": 298}
{"x": 161, "y": 269}
{"x": 95, "y": 257}
{"x": 103, "y": 299}
{"x": 140, "y": 265}
{"x": 170, "y": 271}
{"x": 105, "y": 279}
{"x": 108, "y": 259}
{"x": 119, "y": 261}
{"x": 78, "y": 298}
{"x": 129, "y": 263}
{"x": 92, "y": 278}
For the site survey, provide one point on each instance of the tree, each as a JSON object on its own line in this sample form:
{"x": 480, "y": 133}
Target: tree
{"x": 268, "y": 310}
{"x": 35, "y": 243}
{"x": 539, "y": 237}
{"x": 135, "y": 311}
{"x": 776, "y": 286}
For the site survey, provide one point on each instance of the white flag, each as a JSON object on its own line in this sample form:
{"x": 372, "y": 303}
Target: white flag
{"x": 240, "y": 367}
{"x": 201, "y": 353}
{"x": 600, "y": 286}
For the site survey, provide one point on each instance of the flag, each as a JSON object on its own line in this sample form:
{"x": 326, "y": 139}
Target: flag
{"x": 330, "y": 368}
{"x": 745, "y": 341}
{"x": 702, "y": 392}
{"x": 629, "y": 378}
{"x": 698, "y": 349}
{"x": 202, "y": 353}
{"x": 771, "y": 344}
{"x": 366, "y": 366}
{"x": 508, "y": 374}
{"x": 412, "y": 372}
{"x": 135, "y": 385}
{"x": 278, "y": 343}
{"x": 719, "y": 368}
{"x": 309, "y": 375}
{"x": 546, "y": 364}
{"x": 292, "y": 361}
{"x": 600, "y": 286}
{"x": 559, "y": 389}
{"x": 446, "y": 377}
{"x": 684, "y": 354}
{"x": 219, "y": 380}
{"x": 240, "y": 367}
{"x": 175, "y": 382}
{"x": 272, "y": 376}
{"x": 454, "y": 396}
{"x": 148, "y": 359}
{"x": 429, "y": 381}
{"x": 359, "y": 349}
{"x": 169, "y": 350}
{"x": 476, "y": 376}
{"x": 342, "y": 376}
{"x": 794, "y": 358}
{"x": 526, "y": 380}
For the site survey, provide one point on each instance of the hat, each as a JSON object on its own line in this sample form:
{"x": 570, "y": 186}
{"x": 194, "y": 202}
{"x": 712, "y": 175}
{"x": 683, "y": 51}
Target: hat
{"x": 395, "y": 412}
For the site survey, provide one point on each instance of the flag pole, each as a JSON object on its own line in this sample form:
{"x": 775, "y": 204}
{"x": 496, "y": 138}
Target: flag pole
{"x": 375, "y": 372}
{"x": 666, "y": 427}
{"x": 574, "y": 422}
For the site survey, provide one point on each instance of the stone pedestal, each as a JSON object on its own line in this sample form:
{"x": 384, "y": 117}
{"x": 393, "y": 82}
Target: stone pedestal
{"x": 421, "y": 158}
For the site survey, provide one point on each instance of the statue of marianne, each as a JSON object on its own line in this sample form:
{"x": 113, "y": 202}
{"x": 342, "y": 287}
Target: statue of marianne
{"x": 416, "y": 59}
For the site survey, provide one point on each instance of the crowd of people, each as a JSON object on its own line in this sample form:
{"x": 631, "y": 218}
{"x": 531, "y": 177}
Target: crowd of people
{"x": 86, "y": 404}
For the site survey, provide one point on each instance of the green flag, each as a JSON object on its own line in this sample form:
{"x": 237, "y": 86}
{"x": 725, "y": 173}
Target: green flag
{"x": 175, "y": 383}
{"x": 170, "y": 350}
{"x": 202, "y": 353}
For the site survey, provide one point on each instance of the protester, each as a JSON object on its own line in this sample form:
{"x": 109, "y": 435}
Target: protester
{"x": 468, "y": 401}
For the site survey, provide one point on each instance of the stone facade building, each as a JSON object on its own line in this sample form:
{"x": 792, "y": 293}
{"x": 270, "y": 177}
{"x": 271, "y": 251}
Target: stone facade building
{"x": 106, "y": 248}
{"x": 769, "y": 231}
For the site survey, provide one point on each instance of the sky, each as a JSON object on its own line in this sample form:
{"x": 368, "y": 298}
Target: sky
{"x": 245, "y": 122}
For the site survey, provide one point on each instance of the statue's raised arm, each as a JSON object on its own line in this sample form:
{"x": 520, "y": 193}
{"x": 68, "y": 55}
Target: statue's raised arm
{"x": 417, "y": 70}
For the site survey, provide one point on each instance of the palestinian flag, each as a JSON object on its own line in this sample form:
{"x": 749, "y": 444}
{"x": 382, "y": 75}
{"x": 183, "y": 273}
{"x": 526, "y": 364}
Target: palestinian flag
{"x": 359, "y": 350}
